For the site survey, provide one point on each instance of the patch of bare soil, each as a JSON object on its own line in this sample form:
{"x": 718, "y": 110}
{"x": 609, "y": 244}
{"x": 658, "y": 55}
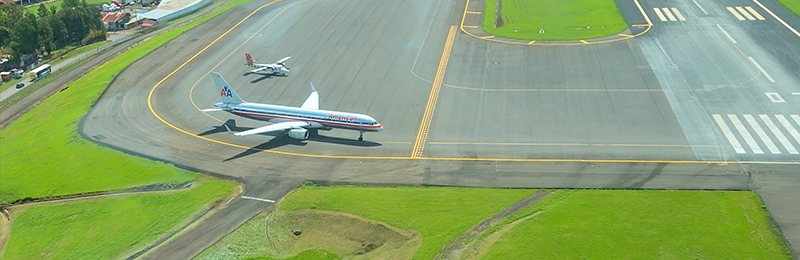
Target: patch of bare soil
{"x": 347, "y": 235}
{"x": 458, "y": 248}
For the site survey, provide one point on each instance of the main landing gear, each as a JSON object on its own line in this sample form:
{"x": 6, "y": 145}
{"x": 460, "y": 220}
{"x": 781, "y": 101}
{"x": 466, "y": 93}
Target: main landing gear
{"x": 361, "y": 135}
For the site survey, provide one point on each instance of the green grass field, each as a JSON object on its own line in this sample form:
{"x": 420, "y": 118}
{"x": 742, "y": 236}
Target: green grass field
{"x": 613, "y": 224}
{"x": 43, "y": 155}
{"x": 792, "y": 5}
{"x": 561, "y": 20}
{"x": 105, "y": 228}
{"x": 439, "y": 214}
{"x": 311, "y": 254}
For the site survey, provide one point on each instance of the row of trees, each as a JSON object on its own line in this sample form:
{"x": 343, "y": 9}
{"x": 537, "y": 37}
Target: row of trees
{"x": 24, "y": 32}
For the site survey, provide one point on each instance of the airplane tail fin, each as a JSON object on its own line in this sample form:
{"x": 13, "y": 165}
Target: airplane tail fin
{"x": 226, "y": 92}
{"x": 249, "y": 60}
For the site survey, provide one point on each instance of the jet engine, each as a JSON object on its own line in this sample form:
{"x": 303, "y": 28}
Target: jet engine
{"x": 299, "y": 134}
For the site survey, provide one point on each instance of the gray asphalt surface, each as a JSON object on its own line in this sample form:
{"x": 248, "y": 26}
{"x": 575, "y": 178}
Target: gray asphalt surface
{"x": 649, "y": 98}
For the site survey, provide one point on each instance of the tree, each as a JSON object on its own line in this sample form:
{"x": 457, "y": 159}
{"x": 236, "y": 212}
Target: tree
{"x": 25, "y": 38}
{"x": 45, "y": 43}
{"x": 43, "y": 12}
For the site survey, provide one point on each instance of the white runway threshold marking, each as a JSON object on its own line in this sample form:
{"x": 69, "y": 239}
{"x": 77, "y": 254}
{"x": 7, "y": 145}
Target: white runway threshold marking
{"x": 733, "y": 11}
{"x": 761, "y": 134}
{"x": 258, "y": 199}
{"x": 761, "y": 69}
{"x": 728, "y": 134}
{"x": 778, "y": 134}
{"x": 659, "y": 14}
{"x": 745, "y": 134}
{"x": 678, "y": 14}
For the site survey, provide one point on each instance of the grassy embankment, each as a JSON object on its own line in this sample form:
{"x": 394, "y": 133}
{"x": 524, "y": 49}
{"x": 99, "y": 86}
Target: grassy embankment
{"x": 568, "y": 224}
{"x": 105, "y": 228}
{"x": 43, "y": 155}
{"x": 618, "y": 224}
{"x": 561, "y": 20}
{"x": 57, "y": 3}
{"x": 439, "y": 215}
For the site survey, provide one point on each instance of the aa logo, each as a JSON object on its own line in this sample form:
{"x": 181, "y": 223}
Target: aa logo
{"x": 226, "y": 92}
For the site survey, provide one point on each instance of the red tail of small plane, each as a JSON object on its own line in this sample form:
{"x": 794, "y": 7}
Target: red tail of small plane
{"x": 249, "y": 60}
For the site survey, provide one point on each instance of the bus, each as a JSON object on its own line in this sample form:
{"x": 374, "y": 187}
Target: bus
{"x": 40, "y": 72}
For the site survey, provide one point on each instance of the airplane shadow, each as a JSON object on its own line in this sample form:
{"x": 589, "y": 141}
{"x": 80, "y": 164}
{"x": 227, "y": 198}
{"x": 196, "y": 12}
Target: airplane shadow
{"x": 263, "y": 76}
{"x": 281, "y": 139}
{"x": 269, "y": 145}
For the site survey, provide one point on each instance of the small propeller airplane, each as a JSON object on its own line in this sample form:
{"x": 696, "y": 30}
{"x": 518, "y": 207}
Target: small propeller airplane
{"x": 293, "y": 121}
{"x": 277, "y": 68}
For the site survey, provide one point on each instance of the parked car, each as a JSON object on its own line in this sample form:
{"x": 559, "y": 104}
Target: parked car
{"x": 20, "y": 85}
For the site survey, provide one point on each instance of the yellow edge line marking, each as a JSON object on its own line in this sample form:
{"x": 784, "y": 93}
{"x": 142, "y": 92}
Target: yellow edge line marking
{"x": 422, "y": 135}
{"x": 531, "y": 42}
{"x": 649, "y": 25}
{"x": 640, "y": 25}
{"x": 470, "y": 26}
{"x": 584, "y": 42}
{"x": 149, "y": 104}
{"x": 487, "y": 37}
{"x": 625, "y": 35}
{"x": 574, "y": 144}
{"x": 564, "y": 90}
{"x": 471, "y": 12}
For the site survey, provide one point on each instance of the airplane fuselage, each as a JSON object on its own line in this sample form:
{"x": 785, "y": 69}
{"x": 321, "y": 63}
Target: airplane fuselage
{"x": 317, "y": 118}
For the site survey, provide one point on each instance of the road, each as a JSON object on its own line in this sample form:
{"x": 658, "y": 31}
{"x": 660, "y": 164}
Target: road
{"x": 659, "y": 111}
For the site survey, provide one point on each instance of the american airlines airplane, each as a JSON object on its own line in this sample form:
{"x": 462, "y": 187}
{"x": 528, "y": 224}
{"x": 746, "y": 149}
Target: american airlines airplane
{"x": 293, "y": 121}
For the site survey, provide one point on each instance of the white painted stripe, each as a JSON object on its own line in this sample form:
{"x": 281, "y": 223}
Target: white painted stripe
{"x": 789, "y": 128}
{"x": 775, "y": 97}
{"x": 738, "y": 16}
{"x": 778, "y": 134}
{"x": 745, "y": 134}
{"x": 796, "y": 119}
{"x": 258, "y": 199}
{"x": 698, "y": 6}
{"x": 726, "y": 33}
{"x": 660, "y": 16}
{"x": 678, "y": 14}
{"x": 761, "y": 69}
{"x": 745, "y": 13}
{"x": 728, "y": 134}
{"x": 643, "y": 13}
{"x": 761, "y": 134}
{"x": 669, "y": 14}
{"x": 795, "y": 93}
{"x": 777, "y": 18}
{"x": 756, "y": 14}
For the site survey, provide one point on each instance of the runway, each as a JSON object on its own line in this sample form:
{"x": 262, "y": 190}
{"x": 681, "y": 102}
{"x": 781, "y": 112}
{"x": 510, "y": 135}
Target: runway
{"x": 458, "y": 110}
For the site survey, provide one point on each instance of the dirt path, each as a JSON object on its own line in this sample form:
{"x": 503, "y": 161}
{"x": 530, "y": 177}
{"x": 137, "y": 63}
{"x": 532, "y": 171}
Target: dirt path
{"x": 457, "y": 248}
{"x": 5, "y": 227}
{"x": 498, "y": 14}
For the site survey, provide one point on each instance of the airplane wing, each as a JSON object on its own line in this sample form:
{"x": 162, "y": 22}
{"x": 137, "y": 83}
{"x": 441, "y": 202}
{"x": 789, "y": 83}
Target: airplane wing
{"x": 258, "y": 69}
{"x": 283, "y": 60}
{"x": 312, "y": 102}
{"x": 271, "y": 128}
